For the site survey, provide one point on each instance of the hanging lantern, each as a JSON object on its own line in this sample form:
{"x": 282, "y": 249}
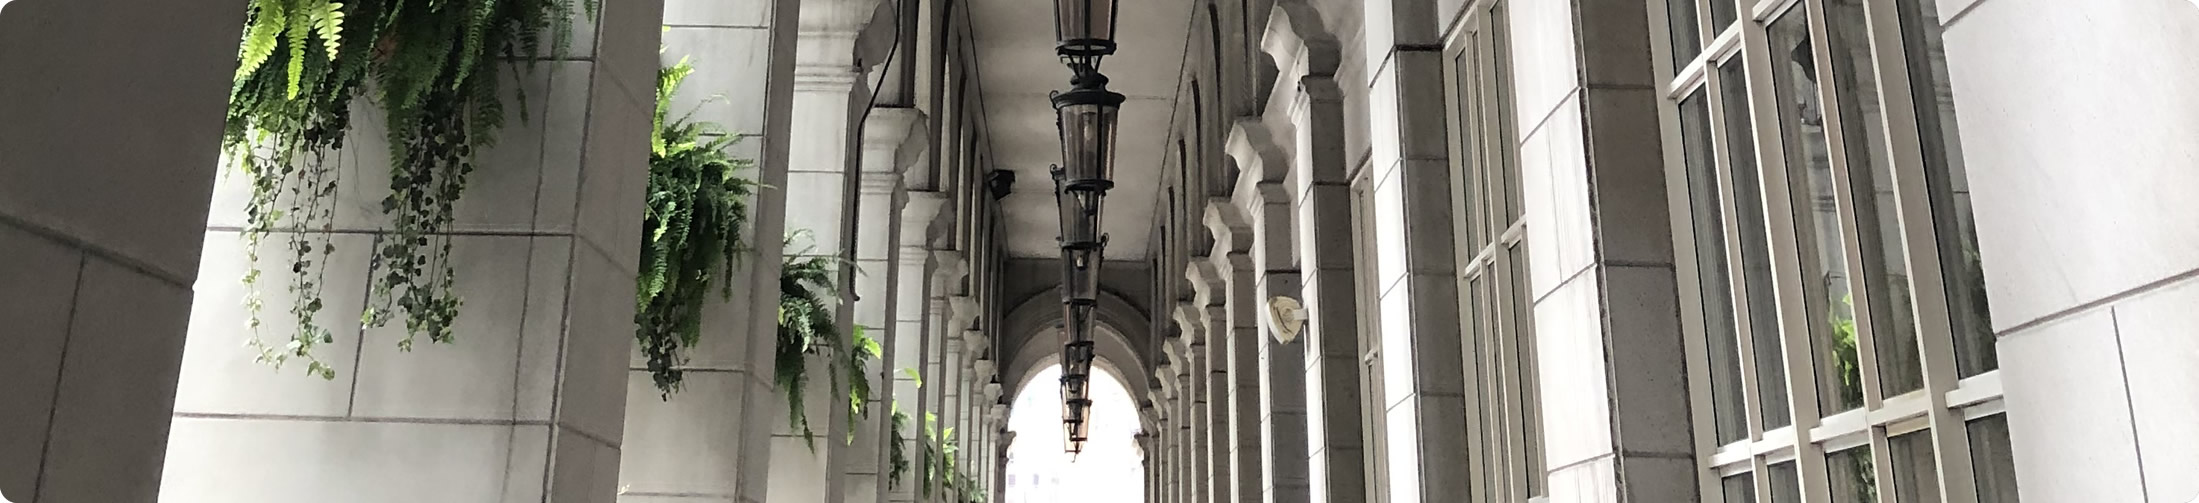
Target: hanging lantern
{"x": 1087, "y": 115}
{"x": 1084, "y": 31}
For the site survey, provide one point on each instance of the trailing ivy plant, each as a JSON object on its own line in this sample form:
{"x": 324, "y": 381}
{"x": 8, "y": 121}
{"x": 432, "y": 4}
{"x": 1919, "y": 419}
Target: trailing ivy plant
{"x": 691, "y": 236}
{"x": 807, "y": 293}
{"x": 431, "y": 66}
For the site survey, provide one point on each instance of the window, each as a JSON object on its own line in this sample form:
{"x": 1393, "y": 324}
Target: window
{"x": 1496, "y": 306}
{"x": 1839, "y": 324}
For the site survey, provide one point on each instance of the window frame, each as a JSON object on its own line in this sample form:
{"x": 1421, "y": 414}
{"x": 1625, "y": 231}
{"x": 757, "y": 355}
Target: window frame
{"x": 1498, "y": 358}
{"x": 1946, "y": 402}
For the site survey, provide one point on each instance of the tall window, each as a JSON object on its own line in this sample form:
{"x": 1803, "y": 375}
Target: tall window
{"x": 1496, "y": 306}
{"x": 1838, "y": 338}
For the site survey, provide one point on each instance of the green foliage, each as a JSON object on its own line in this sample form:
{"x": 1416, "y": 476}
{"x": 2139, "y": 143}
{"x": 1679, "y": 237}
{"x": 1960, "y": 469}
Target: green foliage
{"x": 1847, "y": 362}
{"x": 856, "y": 363}
{"x": 691, "y": 236}
{"x": 807, "y": 294}
{"x": 897, "y": 447}
{"x": 430, "y": 66}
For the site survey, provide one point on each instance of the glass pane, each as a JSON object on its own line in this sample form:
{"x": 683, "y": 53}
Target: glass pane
{"x": 1525, "y": 394}
{"x": 1851, "y": 478}
{"x": 1878, "y": 215}
{"x": 1687, "y": 34}
{"x": 1722, "y": 15}
{"x": 1469, "y": 147}
{"x": 1739, "y": 488}
{"x": 1816, "y": 215}
{"x": 1786, "y": 484}
{"x": 1948, "y": 186}
{"x": 1483, "y": 379}
{"x": 1710, "y": 265}
{"x": 1506, "y": 183}
{"x": 1915, "y": 478}
{"x": 1748, "y": 208}
{"x": 1990, "y": 455}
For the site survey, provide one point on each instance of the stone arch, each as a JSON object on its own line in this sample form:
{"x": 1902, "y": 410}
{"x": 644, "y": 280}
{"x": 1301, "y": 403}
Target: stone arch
{"x": 1031, "y": 323}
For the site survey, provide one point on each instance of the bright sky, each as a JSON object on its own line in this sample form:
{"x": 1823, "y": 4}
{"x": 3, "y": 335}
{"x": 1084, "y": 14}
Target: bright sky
{"x": 1109, "y": 471}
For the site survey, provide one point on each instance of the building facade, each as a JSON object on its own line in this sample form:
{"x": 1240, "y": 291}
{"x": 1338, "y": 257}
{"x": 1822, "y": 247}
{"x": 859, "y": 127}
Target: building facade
{"x": 1381, "y": 250}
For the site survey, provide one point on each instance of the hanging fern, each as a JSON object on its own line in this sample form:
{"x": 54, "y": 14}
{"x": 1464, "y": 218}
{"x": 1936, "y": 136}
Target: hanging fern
{"x": 856, "y": 363}
{"x": 691, "y": 236}
{"x": 430, "y": 66}
{"x": 897, "y": 447}
{"x": 807, "y": 294}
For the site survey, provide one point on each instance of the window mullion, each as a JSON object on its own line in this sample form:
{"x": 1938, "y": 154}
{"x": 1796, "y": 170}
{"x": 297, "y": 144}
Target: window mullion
{"x": 1786, "y": 253}
{"x": 1737, "y": 284}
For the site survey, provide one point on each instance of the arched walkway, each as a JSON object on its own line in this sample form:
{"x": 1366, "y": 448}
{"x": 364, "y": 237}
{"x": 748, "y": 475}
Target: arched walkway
{"x": 1111, "y": 468}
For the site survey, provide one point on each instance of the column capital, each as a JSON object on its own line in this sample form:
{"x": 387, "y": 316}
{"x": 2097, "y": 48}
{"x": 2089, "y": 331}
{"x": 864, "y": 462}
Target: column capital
{"x": 964, "y": 310}
{"x": 1206, "y": 280}
{"x": 953, "y": 266}
{"x": 1298, "y": 42}
{"x": 1187, "y": 321}
{"x": 917, "y": 215}
{"x": 896, "y": 134}
{"x": 992, "y": 389}
{"x": 975, "y": 341}
{"x": 1232, "y": 231}
{"x": 1252, "y": 144}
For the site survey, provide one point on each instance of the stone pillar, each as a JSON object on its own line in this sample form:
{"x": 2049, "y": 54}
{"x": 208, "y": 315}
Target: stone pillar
{"x": 1236, "y": 330}
{"x": 911, "y": 337}
{"x": 1166, "y": 433}
{"x": 891, "y": 142}
{"x": 529, "y": 401}
{"x": 1281, "y": 411}
{"x": 1606, "y": 316}
{"x": 1423, "y": 402}
{"x": 698, "y": 444}
{"x": 828, "y": 91}
{"x": 1307, "y": 55}
{"x": 104, "y": 185}
{"x": 1185, "y": 402}
{"x": 1190, "y": 320}
{"x": 1213, "y": 321}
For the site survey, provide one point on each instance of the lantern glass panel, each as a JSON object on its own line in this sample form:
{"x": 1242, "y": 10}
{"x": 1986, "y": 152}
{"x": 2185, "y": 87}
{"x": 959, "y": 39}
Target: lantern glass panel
{"x": 1088, "y": 123}
{"x": 1084, "y": 27}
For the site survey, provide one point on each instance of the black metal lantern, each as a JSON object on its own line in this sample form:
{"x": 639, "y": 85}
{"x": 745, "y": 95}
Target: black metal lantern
{"x": 1087, "y": 115}
{"x": 1084, "y": 31}
{"x": 1080, "y": 213}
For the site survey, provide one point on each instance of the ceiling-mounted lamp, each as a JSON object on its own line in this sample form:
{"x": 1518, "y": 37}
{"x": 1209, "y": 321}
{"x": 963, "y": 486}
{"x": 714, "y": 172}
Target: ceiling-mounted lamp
{"x": 1084, "y": 32}
{"x": 1087, "y": 115}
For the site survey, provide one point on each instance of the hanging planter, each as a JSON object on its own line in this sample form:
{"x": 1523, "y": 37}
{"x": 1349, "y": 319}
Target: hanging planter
{"x": 691, "y": 235}
{"x": 431, "y": 67}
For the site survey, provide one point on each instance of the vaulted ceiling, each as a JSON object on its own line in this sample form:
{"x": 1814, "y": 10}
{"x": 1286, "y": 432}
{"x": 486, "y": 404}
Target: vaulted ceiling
{"x": 1017, "y": 69}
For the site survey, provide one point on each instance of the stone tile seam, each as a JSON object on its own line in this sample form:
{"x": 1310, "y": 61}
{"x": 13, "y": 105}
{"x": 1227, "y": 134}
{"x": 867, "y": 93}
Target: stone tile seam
{"x": 2130, "y": 402}
{"x": 103, "y": 253}
{"x": 2107, "y": 302}
{"x": 53, "y": 407}
{"x": 249, "y": 416}
{"x": 1571, "y": 94}
{"x": 1582, "y": 462}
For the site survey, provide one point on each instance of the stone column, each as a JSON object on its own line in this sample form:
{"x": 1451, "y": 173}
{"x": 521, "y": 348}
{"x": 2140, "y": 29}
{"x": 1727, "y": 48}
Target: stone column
{"x": 1238, "y": 334}
{"x": 912, "y": 337}
{"x": 1213, "y": 320}
{"x": 1307, "y": 55}
{"x": 1424, "y": 402}
{"x": 529, "y": 401}
{"x": 104, "y": 185}
{"x": 828, "y": 91}
{"x": 1164, "y": 436}
{"x": 891, "y": 142}
{"x": 1281, "y": 411}
{"x": 1185, "y": 401}
{"x": 698, "y": 444}
{"x": 1190, "y": 320}
{"x": 1606, "y": 312}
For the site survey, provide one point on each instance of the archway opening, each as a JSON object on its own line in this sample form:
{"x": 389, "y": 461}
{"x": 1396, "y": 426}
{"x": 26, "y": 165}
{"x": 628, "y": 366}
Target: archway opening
{"x": 1111, "y": 468}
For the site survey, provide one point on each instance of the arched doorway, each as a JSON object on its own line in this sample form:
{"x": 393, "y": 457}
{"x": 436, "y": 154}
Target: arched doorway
{"x": 1111, "y": 469}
